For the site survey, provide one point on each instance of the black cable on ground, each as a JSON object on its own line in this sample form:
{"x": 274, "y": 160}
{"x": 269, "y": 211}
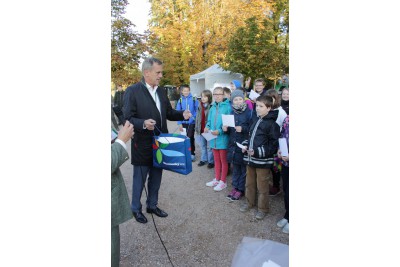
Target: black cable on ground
{"x": 155, "y": 226}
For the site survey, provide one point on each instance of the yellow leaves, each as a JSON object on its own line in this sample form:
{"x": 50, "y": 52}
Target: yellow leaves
{"x": 195, "y": 34}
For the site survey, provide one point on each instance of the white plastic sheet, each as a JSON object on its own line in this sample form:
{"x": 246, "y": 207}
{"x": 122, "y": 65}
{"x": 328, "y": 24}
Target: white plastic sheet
{"x": 254, "y": 252}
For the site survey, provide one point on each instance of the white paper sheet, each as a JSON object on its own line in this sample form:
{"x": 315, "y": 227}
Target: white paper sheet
{"x": 209, "y": 136}
{"x": 240, "y": 145}
{"x": 228, "y": 120}
{"x": 253, "y": 95}
{"x": 283, "y": 147}
{"x": 183, "y": 132}
{"x": 270, "y": 263}
{"x": 114, "y": 134}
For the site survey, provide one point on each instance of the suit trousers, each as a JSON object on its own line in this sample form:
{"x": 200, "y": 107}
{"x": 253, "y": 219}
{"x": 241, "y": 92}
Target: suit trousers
{"x": 285, "y": 184}
{"x": 115, "y": 246}
{"x": 140, "y": 173}
{"x": 257, "y": 181}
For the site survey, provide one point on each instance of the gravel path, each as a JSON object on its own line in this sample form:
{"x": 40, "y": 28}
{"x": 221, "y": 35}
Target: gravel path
{"x": 202, "y": 228}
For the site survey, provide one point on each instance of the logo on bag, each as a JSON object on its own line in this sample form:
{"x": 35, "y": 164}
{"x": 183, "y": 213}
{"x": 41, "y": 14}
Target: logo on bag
{"x": 161, "y": 143}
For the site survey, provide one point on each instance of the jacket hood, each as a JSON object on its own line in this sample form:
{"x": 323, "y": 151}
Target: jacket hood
{"x": 236, "y": 83}
{"x": 272, "y": 114}
{"x": 189, "y": 95}
{"x": 223, "y": 103}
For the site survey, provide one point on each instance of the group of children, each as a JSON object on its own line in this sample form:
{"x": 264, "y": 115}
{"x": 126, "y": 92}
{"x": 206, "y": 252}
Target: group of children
{"x": 251, "y": 147}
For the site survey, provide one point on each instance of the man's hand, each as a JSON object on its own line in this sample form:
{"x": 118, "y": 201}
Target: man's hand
{"x": 149, "y": 124}
{"x": 126, "y": 132}
{"x": 187, "y": 114}
{"x": 180, "y": 128}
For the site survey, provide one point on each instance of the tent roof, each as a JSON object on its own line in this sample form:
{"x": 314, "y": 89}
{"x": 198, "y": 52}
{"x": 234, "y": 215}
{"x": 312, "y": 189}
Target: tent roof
{"x": 213, "y": 69}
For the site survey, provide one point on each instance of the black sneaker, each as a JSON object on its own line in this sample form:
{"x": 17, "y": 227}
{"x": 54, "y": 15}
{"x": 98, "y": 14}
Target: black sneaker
{"x": 201, "y": 163}
{"x": 236, "y": 196}
{"x": 210, "y": 165}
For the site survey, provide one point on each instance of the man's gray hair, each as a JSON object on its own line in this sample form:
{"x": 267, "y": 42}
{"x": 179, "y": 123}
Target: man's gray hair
{"x": 149, "y": 62}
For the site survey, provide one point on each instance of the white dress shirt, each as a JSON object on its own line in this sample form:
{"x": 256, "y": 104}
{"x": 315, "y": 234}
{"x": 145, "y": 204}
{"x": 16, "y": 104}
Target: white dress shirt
{"x": 153, "y": 93}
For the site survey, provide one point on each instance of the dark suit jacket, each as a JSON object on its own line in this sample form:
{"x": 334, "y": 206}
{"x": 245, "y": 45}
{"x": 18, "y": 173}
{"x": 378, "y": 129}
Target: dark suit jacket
{"x": 139, "y": 106}
{"x": 120, "y": 205}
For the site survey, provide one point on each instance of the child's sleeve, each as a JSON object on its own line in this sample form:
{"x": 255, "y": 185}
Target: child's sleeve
{"x": 246, "y": 125}
{"x": 208, "y": 122}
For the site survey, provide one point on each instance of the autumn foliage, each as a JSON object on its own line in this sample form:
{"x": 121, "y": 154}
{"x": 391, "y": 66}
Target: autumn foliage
{"x": 246, "y": 36}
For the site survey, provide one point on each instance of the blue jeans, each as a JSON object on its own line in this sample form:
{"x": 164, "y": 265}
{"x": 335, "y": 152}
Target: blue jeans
{"x": 153, "y": 185}
{"x": 239, "y": 176}
{"x": 206, "y": 152}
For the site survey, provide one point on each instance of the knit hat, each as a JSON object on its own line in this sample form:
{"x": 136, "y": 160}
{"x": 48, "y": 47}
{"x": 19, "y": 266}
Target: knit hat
{"x": 237, "y": 93}
{"x": 236, "y": 83}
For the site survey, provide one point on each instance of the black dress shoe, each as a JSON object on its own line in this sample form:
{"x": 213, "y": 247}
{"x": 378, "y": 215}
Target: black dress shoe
{"x": 157, "y": 211}
{"x": 210, "y": 165}
{"x": 139, "y": 216}
{"x": 201, "y": 163}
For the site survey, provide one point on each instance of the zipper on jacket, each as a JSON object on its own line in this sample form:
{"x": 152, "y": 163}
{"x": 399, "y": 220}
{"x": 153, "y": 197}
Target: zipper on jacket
{"x": 215, "y": 123}
{"x": 251, "y": 142}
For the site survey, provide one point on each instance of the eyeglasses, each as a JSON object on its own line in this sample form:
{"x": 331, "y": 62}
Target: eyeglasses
{"x": 218, "y": 94}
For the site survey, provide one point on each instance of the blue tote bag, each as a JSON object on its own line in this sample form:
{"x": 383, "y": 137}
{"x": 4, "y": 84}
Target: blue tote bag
{"x": 172, "y": 152}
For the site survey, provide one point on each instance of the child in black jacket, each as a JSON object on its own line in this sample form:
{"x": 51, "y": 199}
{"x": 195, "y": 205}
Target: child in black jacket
{"x": 258, "y": 154}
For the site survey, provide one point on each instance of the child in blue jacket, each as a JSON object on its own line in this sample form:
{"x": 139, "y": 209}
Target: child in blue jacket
{"x": 219, "y": 145}
{"x": 187, "y": 101}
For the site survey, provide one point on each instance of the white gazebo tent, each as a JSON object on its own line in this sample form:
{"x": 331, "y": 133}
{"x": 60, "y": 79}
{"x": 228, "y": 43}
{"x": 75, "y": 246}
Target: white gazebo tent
{"x": 208, "y": 78}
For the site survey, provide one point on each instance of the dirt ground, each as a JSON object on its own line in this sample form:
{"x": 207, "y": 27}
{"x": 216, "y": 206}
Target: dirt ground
{"x": 202, "y": 228}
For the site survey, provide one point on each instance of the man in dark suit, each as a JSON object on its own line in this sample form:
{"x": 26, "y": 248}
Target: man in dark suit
{"x": 120, "y": 209}
{"x": 147, "y": 107}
